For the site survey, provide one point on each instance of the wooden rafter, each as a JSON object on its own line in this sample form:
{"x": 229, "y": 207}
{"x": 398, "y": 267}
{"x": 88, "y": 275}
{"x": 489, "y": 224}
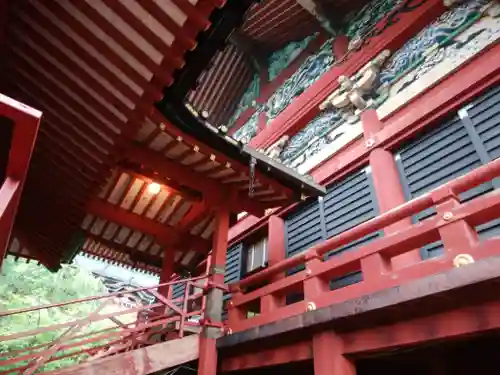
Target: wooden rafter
{"x": 252, "y": 50}
{"x": 213, "y": 191}
{"x": 165, "y": 235}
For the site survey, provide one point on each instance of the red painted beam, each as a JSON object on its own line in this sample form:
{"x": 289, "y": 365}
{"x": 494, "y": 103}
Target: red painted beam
{"x": 163, "y": 233}
{"x": 444, "y": 326}
{"x": 299, "y": 351}
{"x": 213, "y": 191}
{"x": 26, "y": 122}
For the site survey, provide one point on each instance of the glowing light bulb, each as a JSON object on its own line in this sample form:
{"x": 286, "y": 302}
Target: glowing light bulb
{"x": 154, "y": 188}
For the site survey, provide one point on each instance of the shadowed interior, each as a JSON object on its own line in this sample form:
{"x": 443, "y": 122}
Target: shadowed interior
{"x": 6, "y": 130}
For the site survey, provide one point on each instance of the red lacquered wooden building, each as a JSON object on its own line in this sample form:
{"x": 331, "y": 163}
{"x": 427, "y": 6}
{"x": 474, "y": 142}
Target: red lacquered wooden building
{"x": 315, "y": 181}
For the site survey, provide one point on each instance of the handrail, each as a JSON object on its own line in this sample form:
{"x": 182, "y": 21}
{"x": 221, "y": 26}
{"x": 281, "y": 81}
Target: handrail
{"x": 167, "y": 314}
{"x": 461, "y": 184}
{"x": 95, "y": 298}
{"x": 7, "y": 191}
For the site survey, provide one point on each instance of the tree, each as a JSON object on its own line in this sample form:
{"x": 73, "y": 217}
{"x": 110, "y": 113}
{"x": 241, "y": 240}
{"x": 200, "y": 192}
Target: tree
{"x": 27, "y": 285}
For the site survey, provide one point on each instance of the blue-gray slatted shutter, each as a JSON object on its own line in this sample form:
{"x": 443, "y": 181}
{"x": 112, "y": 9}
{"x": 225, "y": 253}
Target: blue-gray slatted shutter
{"x": 347, "y": 204}
{"x": 484, "y": 113}
{"x": 304, "y": 228}
{"x": 178, "y": 291}
{"x": 482, "y": 120}
{"x": 433, "y": 159}
{"x": 233, "y": 269}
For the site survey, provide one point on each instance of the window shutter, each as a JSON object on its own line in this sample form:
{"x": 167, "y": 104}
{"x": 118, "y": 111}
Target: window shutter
{"x": 347, "y": 204}
{"x": 178, "y": 291}
{"x": 435, "y": 158}
{"x": 303, "y": 228}
{"x": 485, "y": 116}
{"x": 234, "y": 269}
{"x": 234, "y": 263}
{"x": 482, "y": 119}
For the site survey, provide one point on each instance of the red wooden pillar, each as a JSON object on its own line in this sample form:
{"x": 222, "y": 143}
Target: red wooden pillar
{"x": 276, "y": 253}
{"x": 458, "y": 236}
{"x": 167, "y": 271}
{"x": 9, "y": 195}
{"x": 328, "y": 355}
{"x": 387, "y": 183}
{"x": 213, "y": 314}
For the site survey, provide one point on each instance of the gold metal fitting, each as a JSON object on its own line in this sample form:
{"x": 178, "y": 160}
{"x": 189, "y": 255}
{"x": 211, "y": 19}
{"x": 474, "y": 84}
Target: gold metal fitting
{"x": 311, "y": 306}
{"x": 462, "y": 260}
{"x": 447, "y": 216}
{"x": 370, "y": 143}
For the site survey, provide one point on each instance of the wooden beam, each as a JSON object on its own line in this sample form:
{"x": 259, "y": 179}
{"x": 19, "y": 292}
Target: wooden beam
{"x": 444, "y": 326}
{"x": 135, "y": 255}
{"x": 291, "y": 352}
{"x": 470, "y": 284}
{"x": 148, "y": 360}
{"x": 141, "y": 171}
{"x": 214, "y": 192}
{"x": 250, "y": 49}
{"x": 165, "y": 235}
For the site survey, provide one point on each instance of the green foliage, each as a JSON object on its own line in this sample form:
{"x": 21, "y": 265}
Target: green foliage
{"x": 26, "y": 285}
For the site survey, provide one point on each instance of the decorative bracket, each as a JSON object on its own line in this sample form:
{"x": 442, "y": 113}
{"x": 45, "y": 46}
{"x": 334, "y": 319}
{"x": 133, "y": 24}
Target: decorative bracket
{"x": 357, "y": 92}
{"x": 275, "y": 150}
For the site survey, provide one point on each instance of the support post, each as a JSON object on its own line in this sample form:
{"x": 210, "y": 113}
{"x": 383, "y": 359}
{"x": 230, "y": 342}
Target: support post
{"x": 9, "y": 197}
{"x": 276, "y": 253}
{"x": 387, "y": 184}
{"x": 328, "y": 355}
{"x": 457, "y": 236}
{"x": 167, "y": 271}
{"x": 213, "y": 313}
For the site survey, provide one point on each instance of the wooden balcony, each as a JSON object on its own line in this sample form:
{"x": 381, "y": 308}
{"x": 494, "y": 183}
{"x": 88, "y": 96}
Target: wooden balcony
{"x": 466, "y": 264}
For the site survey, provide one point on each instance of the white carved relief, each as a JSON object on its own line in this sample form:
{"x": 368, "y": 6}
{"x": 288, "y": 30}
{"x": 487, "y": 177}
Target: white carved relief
{"x": 339, "y": 138}
{"x": 440, "y": 62}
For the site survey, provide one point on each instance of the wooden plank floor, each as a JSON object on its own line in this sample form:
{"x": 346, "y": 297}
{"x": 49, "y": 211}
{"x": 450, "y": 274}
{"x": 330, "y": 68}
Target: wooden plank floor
{"x": 141, "y": 361}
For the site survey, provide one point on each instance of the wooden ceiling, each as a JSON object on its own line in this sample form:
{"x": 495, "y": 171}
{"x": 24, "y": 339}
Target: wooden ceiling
{"x": 95, "y": 68}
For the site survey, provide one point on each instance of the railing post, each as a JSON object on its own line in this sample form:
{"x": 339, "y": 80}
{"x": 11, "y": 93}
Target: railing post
{"x": 207, "y": 364}
{"x": 458, "y": 236}
{"x": 328, "y": 355}
{"x": 387, "y": 186}
{"x": 167, "y": 271}
{"x": 9, "y": 193}
{"x": 235, "y": 314}
{"x": 314, "y": 286}
{"x": 276, "y": 251}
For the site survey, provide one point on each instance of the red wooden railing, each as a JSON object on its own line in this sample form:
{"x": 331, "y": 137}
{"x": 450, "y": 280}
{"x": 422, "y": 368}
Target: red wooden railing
{"x": 26, "y": 122}
{"x": 454, "y": 224}
{"x": 165, "y": 319}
